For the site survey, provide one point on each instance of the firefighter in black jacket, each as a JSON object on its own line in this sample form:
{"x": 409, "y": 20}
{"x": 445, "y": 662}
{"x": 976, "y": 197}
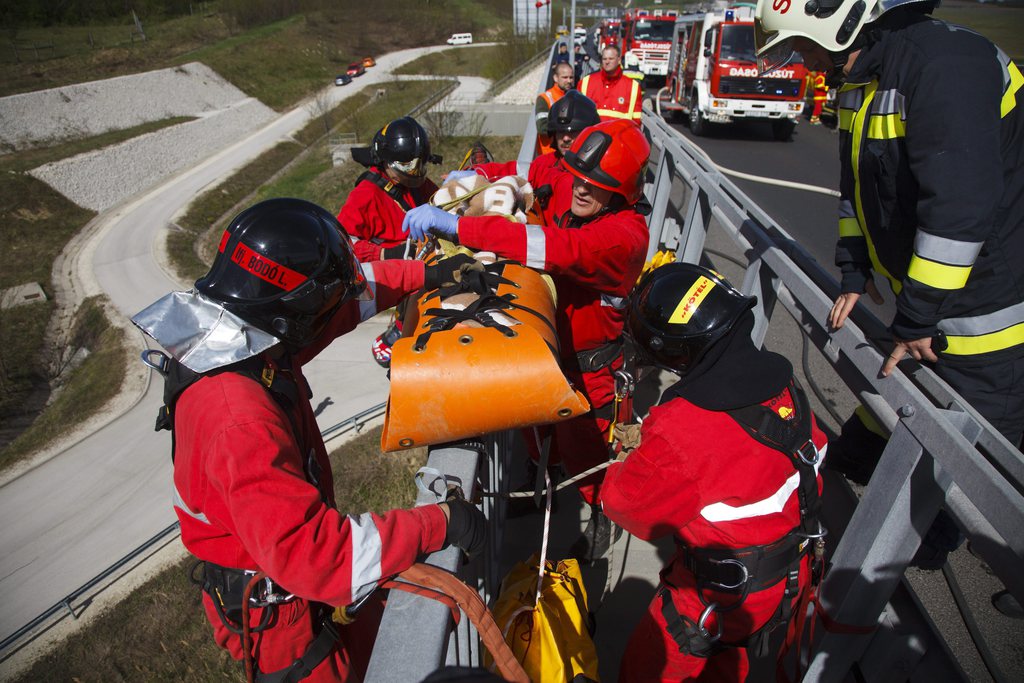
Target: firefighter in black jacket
{"x": 931, "y": 128}
{"x": 932, "y": 150}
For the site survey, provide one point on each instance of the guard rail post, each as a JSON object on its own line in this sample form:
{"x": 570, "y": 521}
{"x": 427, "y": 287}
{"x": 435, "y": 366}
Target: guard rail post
{"x": 418, "y": 628}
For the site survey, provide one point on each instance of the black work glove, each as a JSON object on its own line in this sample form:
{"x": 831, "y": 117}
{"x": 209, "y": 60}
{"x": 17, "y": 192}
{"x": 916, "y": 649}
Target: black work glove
{"x": 448, "y": 271}
{"x": 467, "y": 527}
{"x": 397, "y": 251}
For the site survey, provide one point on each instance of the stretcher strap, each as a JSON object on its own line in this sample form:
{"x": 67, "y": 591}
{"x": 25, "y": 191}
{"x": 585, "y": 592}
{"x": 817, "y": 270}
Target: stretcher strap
{"x": 438, "y": 581}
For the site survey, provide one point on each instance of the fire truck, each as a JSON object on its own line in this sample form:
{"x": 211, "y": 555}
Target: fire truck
{"x": 647, "y": 40}
{"x": 713, "y": 75}
{"x": 609, "y": 34}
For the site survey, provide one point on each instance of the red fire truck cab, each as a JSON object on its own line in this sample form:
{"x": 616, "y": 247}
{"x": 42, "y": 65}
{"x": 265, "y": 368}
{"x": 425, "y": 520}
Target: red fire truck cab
{"x": 713, "y": 75}
{"x": 647, "y": 41}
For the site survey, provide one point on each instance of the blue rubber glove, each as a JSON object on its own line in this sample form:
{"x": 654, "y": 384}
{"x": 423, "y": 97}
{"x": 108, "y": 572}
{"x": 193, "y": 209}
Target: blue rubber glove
{"x": 427, "y": 219}
{"x": 458, "y": 175}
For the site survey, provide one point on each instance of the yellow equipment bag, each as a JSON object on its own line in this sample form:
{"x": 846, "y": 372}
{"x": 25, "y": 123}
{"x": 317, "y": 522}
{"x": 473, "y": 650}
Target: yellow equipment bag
{"x": 552, "y": 639}
{"x": 476, "y": 364}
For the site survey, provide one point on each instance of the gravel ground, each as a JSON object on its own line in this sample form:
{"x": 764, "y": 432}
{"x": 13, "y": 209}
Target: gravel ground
{"x": 524, "y": 90}
{"x": 85, "y": 109}
{"x": 102, "y": 178}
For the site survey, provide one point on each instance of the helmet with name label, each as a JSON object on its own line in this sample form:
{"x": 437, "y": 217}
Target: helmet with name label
{"x": 284, "y": 266}
{"x": 680, "y": 310}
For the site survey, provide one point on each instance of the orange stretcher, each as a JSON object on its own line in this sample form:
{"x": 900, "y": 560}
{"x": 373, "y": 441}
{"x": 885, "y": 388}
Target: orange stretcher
{"x": 473, "y": 364}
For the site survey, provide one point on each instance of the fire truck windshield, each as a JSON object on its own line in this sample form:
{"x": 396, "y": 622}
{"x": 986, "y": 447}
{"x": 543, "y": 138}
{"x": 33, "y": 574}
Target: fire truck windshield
{"x": 660, "y": 30}
{"x": 738, "y": 43}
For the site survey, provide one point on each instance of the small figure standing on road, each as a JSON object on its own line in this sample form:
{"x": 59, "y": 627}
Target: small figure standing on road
{"x": 563, "y": 83}
{"x": 395, "y": 181}
{"x": 726, "y": 465}
{"x": 594, "y": 254}
{"x": 253, "y": 488}
{"x": 617, "y": 96}
{"x": 820, "y": 95}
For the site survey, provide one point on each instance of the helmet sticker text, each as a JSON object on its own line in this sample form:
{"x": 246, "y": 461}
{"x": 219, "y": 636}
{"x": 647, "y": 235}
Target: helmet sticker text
{"x": 691, "y": 301}
{"x": 781, "y": 6}
{"x": 266, "y": 269}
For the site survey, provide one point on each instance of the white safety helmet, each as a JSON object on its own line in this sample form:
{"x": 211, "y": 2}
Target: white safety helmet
{"x": 832, "y": 24}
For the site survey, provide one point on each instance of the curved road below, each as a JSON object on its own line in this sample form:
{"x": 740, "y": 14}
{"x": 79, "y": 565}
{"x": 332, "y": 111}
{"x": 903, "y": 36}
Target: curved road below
{"x": 71, "y": 517}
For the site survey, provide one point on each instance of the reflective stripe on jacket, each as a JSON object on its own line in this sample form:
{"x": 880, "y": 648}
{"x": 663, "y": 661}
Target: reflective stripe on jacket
{"x": 932, "y": 155}
{"x": 618, "y": 97}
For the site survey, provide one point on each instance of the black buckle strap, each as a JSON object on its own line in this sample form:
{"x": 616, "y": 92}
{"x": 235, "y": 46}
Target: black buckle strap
{"x": 691, "y": 636}
{"x": 311, "y": 659}
{"x": 744, "y": 570}
{"x": 225, "y": 586}
{"x": 599, "y": 358}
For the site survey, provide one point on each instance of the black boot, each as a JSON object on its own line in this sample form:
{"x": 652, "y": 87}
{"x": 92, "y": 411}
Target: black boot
{"x": 597, "y": 538}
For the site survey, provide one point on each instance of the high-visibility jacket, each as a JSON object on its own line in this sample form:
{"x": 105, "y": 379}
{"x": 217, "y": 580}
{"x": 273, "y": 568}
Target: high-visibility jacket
{"x": 545, "y": 101}
{"x": 932, "y": 153}
{"x": 699, "y": 477}
{"x": 249, "y": 496}
{"x": 543, "y": 171}
{"x": 373, "y": 219}
{"x": 616, "y": 96}
{"x": 820, "y": 88}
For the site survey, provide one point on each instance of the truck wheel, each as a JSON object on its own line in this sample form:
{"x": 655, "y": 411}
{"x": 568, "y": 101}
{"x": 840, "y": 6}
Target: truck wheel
{"x": 782, "y": 130}
{"x": 698, "y": 126}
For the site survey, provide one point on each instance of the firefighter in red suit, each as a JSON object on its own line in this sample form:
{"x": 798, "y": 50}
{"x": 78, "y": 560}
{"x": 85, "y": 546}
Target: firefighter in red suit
{"x": 395, "y": 181}
{"x": 617, "y": 96}
{"x": 252, "y": 481}
{"x": 568, "y": 117}
{"x": 594, "y": 254}
{"x": 715, "y": 470}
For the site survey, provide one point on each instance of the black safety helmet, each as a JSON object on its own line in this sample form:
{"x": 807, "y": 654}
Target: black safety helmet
{"x": 403, "y": 145}
{"x": 679, "y": 311}
{"x": 285, "y": 267}
{"x": 573, "y": 112}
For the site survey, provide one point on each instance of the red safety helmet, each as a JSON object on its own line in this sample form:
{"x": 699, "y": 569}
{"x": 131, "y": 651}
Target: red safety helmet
{"x": 612, "y": 155}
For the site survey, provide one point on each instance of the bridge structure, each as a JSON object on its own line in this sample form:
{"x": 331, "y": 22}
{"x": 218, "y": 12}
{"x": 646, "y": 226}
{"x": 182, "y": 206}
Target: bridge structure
{"x": 940, "y": 453}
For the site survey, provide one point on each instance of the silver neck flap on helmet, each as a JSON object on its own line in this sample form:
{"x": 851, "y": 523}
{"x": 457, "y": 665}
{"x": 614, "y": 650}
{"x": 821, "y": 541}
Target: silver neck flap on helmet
{"x": 200, "y": 333}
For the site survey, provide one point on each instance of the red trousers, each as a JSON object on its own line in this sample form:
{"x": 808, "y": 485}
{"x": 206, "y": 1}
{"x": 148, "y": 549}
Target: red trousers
{"x": 292, "y": 633}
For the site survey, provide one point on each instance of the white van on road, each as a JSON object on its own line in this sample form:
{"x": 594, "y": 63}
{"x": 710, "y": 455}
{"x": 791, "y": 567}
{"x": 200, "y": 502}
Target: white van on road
{"x": 461, "y": 39}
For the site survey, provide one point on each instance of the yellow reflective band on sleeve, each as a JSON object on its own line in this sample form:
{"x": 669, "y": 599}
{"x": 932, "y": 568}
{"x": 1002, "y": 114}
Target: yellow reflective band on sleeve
{"x": 937, "y": 275}
{"x": 985, "y": 343}
{"x": 849, "y": 227}
{"x": 611, "y": 113}
{"x": 691, "y": 301}
{"x": 633, "y": 92}
{"x": 1010, "y": 96}
{"x": 886, "y": 127}
{"x": 846, "y": 119}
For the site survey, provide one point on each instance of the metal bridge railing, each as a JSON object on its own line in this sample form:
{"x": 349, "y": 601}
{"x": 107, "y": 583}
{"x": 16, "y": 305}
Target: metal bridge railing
{"x": 941, "y": 452}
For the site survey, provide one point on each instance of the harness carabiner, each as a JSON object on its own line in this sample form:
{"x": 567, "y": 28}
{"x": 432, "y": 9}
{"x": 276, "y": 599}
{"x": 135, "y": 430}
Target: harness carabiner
{"x": 703, "y": 618}
{"x": 162, "y": 363}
